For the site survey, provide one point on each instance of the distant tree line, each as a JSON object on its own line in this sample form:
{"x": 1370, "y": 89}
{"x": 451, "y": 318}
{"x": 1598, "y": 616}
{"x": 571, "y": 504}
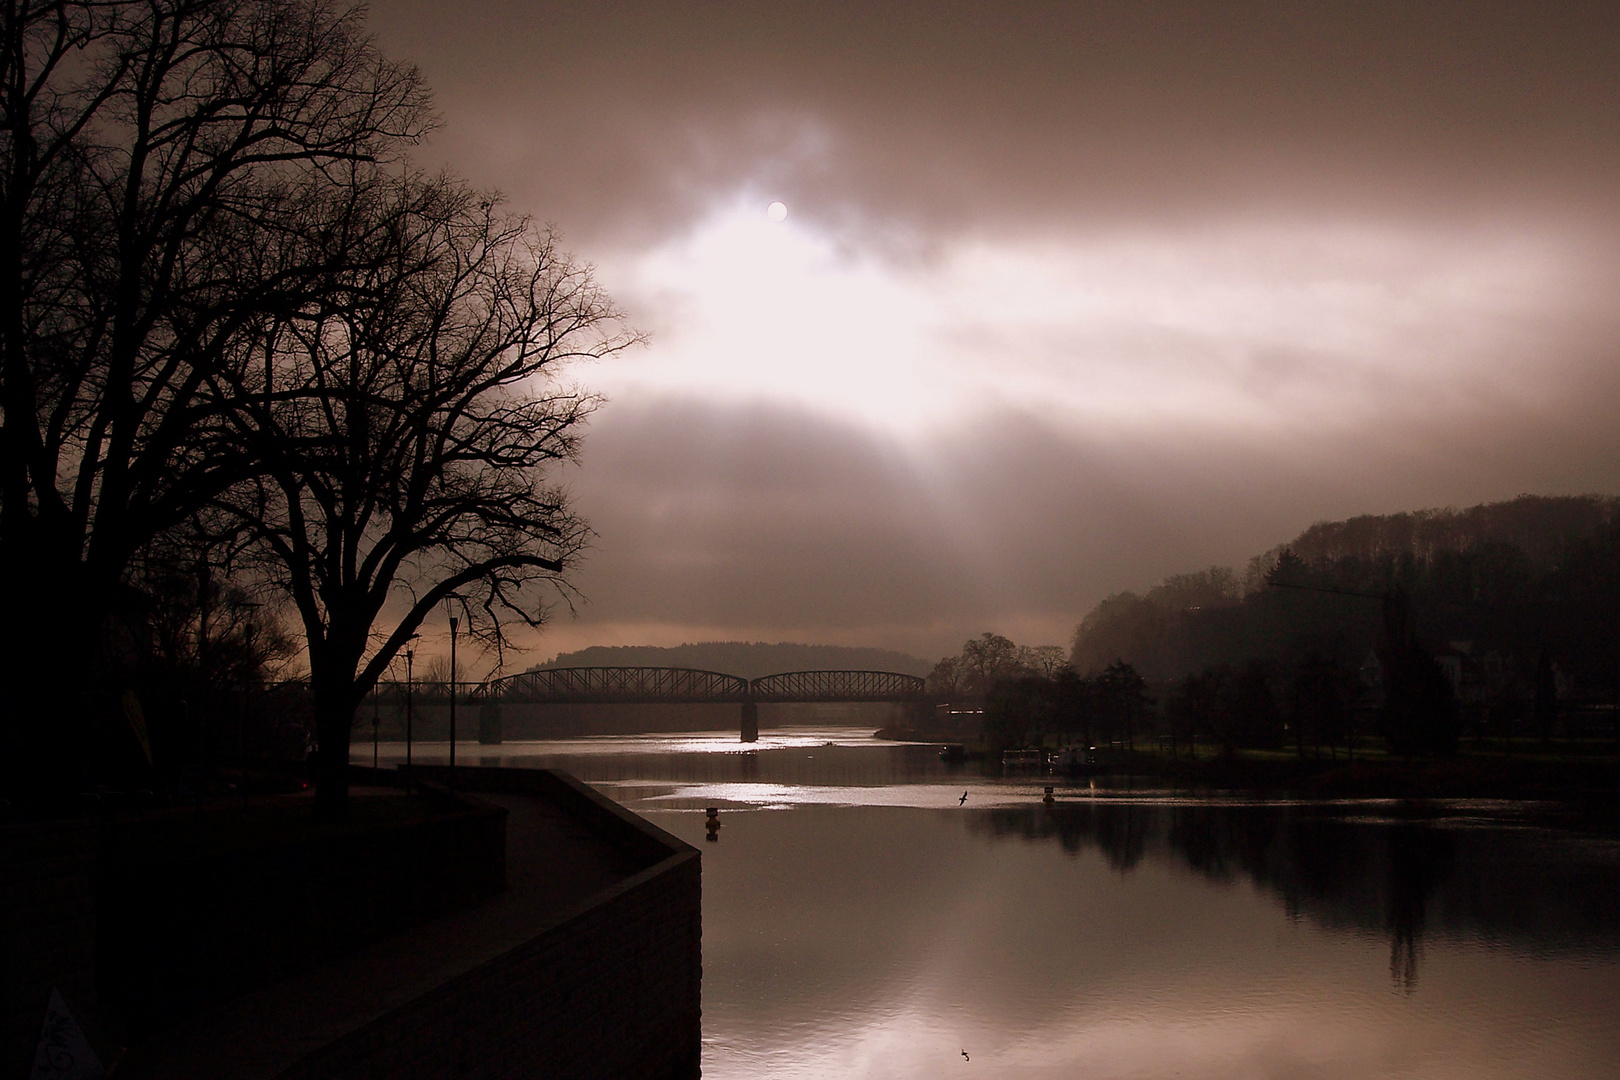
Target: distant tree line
{"x": 987, "y": 661}
{"x": 1492, "y": 620}
{"x": 1417, "y": 630}
{"x": 254, "y": 367}
{"x": 1028, "y": 694}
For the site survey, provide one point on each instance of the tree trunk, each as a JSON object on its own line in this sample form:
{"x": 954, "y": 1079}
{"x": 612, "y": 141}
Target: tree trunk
{"x": 51, "y": 663}
{"x": 334, "y": 723}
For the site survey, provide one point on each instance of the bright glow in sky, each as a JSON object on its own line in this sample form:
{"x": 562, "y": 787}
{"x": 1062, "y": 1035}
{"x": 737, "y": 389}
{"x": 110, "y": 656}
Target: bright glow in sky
{"x": 1257, "y": 326}
{"x": 1068, "y": 297}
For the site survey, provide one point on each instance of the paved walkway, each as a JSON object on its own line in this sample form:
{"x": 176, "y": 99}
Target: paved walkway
{"x": 553, "y": 863}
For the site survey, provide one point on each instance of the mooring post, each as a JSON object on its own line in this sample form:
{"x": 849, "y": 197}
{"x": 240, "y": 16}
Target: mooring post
{"x": 750, "y": 721}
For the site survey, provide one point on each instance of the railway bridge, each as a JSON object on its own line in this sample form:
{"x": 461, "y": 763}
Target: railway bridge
{"x": 690, "y": 686}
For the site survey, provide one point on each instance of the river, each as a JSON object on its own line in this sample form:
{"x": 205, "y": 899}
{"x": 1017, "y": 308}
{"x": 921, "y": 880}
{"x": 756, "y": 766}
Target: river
{"x": 862, "y": 920}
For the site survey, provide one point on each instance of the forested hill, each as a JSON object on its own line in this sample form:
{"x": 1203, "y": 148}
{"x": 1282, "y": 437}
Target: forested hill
{"x": 1539, "y": 526}
{"x": 1518, "y": 579}
{"x": 747, "y": 659}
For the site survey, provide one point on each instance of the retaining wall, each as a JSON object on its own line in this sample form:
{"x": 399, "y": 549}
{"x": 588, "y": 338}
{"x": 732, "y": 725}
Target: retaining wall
{"x": 609, "y": 989}
{"x": 182, "y": 926}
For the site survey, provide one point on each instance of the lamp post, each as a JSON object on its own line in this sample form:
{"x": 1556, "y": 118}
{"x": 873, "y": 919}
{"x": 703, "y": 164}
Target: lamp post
{"x": 454, "y": 623}
{"x": 410, "y": 679}
{"x": 410, "y": 676}
{"x": 250, "y": 669}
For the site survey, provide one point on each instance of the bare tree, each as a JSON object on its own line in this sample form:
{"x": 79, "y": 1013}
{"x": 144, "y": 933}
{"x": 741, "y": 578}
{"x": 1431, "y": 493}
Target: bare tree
{"x": 152, "y": 156}
{"x": 946, "y": 679}
{"x": 986, "y": 660}
{"x": 407, "y": 435}
{"x": 1043, "y": 660}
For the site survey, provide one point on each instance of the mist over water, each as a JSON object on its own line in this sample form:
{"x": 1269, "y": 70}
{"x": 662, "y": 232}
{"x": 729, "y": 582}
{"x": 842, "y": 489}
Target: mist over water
{"x": 861, "y": 921}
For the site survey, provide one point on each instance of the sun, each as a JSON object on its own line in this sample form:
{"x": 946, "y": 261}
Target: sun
{"x": 777, "y": 211}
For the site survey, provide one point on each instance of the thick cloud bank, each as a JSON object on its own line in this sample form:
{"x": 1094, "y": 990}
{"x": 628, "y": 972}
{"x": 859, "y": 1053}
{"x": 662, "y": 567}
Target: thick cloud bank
{"x": 1067, "y": 297}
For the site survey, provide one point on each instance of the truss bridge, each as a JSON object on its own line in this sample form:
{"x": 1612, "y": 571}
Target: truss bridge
{"x": 689, "y": 686}
{"x": 618, "y": 686}
{"x": 831, "y": 686}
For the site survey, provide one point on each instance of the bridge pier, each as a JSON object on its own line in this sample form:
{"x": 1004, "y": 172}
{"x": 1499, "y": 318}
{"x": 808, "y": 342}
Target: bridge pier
{"x": 489, "y": 723}
{"x": 750, "y": 722}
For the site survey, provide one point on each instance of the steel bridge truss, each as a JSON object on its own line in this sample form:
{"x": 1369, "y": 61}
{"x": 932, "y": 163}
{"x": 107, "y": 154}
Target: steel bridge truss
{"x": 837, "y": 686}
{"x": 687, "y": 686}
{"x": 619, "y": 686}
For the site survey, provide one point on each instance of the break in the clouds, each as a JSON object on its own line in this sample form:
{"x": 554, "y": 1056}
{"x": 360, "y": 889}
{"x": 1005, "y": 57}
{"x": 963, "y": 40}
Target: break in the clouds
{"x": 1252, "y": 327}
{"x": 1068, "y": 297}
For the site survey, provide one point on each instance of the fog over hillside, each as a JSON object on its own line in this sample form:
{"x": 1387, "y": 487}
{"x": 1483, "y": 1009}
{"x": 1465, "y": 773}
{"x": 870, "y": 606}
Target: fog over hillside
{"x": 1532, "y": 576}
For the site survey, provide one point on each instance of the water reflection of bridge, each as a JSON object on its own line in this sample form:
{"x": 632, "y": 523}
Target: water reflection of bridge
{"x": 689, "y": 686}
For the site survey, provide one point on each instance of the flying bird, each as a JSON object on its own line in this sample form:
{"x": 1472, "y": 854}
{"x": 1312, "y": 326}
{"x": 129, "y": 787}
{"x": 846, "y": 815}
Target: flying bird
{"x": 962, "y": 800}
{"x": 964, "y": 1052}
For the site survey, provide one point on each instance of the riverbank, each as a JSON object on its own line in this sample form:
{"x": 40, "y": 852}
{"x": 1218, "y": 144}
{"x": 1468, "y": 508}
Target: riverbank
{"x": 1585, "y": 773}
{"x": 1466, "y": 775}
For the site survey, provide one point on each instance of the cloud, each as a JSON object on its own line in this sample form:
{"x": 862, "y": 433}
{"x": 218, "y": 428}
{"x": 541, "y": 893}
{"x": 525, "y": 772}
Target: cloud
{"x": 1070, "y": 297}
{"x": 767, "y": 522}
{"x": 622, "y": 118}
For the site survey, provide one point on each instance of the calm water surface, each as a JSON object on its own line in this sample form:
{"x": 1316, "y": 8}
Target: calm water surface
{"x": 859, "y": 921}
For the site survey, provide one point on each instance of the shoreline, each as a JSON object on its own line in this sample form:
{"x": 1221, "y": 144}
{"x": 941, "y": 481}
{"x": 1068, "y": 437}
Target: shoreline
{"x": 1588, "y": 782}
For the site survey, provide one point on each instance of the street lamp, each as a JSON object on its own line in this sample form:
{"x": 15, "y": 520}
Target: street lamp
{"x": 250, "y": 669}
{"x": 410, "y": 677}
{"x": 454, "y": 623}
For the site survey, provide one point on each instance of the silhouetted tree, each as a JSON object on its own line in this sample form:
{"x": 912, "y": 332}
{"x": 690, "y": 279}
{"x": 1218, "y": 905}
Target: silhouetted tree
{"x": 1018, "y": 712}
{"x": 407, "y": 434}
{"x": 1043, "y": 660}
{"x": 945, "y": 681}
{"x": 1247, "y": 715}
{"x": 1194, "y": 709}
{"x": 1420, "y": 706}
{"x": 1123, "y": 694}
{"x": 1321, "y": 695}
{"x": 986, "y": 660}
{"x": 1074, "y": 705}
{"x": 1546, "y": 699}
{"x": 151, "y": 156}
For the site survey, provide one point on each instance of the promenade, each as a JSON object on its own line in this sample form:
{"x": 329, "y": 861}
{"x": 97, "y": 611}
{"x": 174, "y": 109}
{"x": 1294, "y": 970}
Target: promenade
{"x": 539, "y": 969}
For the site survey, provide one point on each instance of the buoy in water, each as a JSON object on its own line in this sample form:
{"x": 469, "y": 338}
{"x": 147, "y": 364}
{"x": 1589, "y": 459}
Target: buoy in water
{"x": 713, "y": 823}
{"x": 1048, "y": 800}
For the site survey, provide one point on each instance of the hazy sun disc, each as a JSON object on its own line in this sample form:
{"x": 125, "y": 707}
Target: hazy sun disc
{"x": 777, "y": 211}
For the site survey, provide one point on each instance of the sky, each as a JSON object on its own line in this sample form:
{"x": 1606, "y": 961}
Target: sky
{"x": 1068, "y": 297}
